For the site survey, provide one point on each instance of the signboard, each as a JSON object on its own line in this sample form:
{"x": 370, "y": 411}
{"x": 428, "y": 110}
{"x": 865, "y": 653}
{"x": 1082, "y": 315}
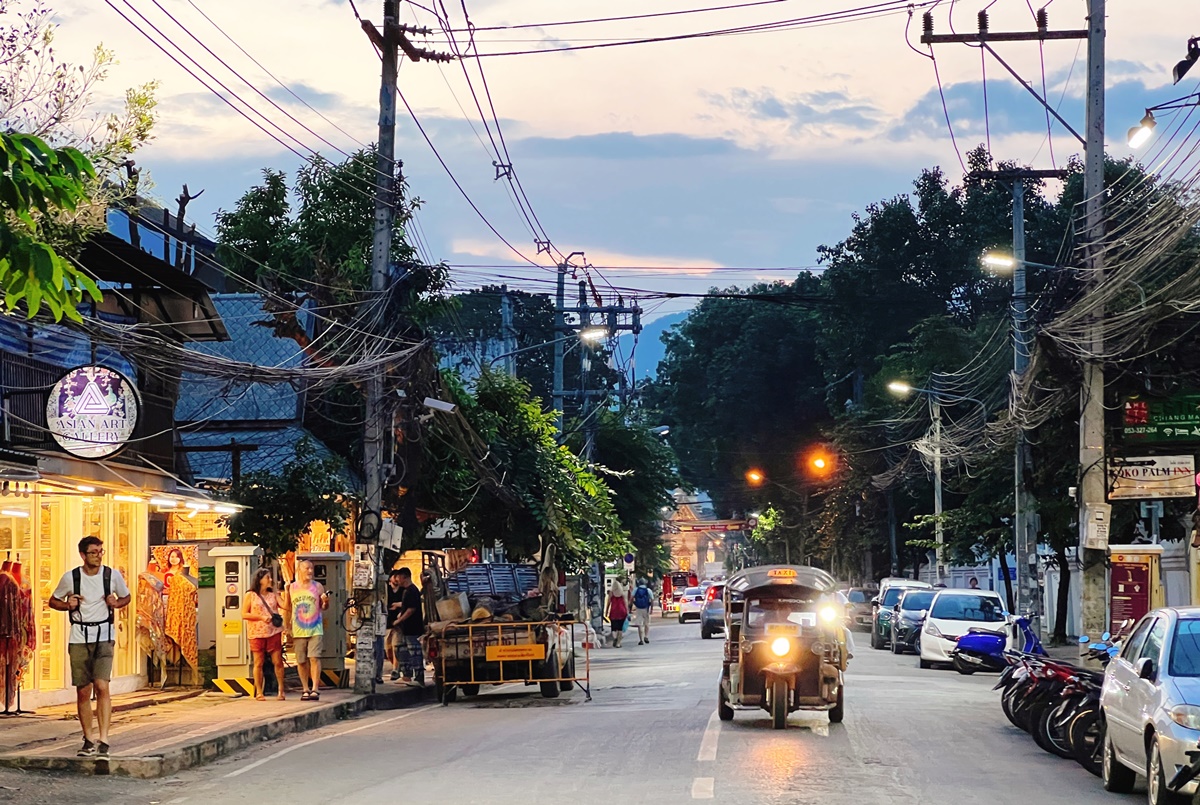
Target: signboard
{"x": 1148, "y": 477}
{"x": 207, "y": 576}
{"x": 1175, "y": 419}
{"x": 710, "y": 525}
{"x": 533, "y": 651}
{"x": 92, "y": 411}
{"x": 1130, "y": 587}
{"x": 1096, "y": 520}
{"x": 231, "y": 627}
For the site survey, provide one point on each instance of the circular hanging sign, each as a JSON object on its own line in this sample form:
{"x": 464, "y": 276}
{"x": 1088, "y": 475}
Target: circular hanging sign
{"x": 92, "y": 411}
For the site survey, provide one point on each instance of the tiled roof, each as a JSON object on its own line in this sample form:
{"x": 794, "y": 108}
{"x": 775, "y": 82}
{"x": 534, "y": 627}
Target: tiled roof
{"x": 210, "y": 399}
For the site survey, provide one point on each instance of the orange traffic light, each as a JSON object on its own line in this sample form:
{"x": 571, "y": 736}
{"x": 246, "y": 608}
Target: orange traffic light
{"x": 755, "y": 477}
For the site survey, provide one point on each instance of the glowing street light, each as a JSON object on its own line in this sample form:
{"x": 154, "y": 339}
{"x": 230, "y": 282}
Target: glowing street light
{"x": 593, "y": 334}
{"x": 899, "y": 387}
{"x": 999, "y": 261}
{"x": 1140, "y": 134}
{"x": 755, "y": 477}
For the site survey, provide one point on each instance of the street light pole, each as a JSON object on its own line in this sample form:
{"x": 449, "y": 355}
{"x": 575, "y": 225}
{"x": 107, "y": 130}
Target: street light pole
{"x": 939, "y": 532}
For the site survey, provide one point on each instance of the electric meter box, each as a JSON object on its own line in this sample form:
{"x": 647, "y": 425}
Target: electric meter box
{"x": 234, "y": 567}
{"x": 331, "y": 570}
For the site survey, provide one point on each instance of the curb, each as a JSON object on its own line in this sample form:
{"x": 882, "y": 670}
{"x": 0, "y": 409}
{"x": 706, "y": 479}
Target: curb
{"x": 217, "y": 746}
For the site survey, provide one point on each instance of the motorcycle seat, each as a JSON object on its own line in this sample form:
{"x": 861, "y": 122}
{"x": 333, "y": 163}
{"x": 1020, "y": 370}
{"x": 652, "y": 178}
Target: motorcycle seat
{"x": 981, "y": 630}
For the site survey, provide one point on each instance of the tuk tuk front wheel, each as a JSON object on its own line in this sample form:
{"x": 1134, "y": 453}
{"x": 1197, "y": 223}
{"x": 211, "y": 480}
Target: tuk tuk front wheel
{"x": 839, "y": 710}
{"x": 549, "y": 687}
{"x": 779, "y": 703}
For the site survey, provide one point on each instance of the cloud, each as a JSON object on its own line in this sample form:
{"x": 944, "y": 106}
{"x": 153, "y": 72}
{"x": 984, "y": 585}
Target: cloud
{"x": 601, "y": 258}
{"x": 627, "y": 145}
{"x": 317, "y": 99}
{"x": 806, "y": 112}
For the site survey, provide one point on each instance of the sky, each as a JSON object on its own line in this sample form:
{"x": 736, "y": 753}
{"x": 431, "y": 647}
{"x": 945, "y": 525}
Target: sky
{"x": 674, "y": 165}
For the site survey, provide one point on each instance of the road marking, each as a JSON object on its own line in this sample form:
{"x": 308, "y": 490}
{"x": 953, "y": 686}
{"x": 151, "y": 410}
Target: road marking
{"x": 290, "y": 749}
{"x": 712, "y": 733}
{"x": 702, "y": 788}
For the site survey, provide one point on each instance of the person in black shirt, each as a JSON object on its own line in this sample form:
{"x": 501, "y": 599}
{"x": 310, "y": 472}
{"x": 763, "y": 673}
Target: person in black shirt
{"x": 395, "y": 598}
{"x": 411, "y": 626}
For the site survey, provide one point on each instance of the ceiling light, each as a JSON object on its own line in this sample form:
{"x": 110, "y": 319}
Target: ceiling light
{"x": 163, "y": 502}
{"x": 200, "y": 507}
{"x": 225, "y": 509}
{"x": 14, "y": 513}
{"x": 86, "y": 488}
{"x": 1139, "y": 135}
{"x": 128, "y": 499}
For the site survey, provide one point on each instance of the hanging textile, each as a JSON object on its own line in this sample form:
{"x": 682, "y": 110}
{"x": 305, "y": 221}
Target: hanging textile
{"x": 152, "y": 619}
{"x": 17, "y": 631}
{"x": 182, "y": 605}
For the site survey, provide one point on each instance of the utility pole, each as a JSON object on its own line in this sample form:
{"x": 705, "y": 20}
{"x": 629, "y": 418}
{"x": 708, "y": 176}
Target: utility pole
{"x": 560, "y": 322}
{"x": 508, "y": 333}
{"x": 1092, "y": 503}
{"x": 389, "y": 42}
{"x": 938, "y": 531}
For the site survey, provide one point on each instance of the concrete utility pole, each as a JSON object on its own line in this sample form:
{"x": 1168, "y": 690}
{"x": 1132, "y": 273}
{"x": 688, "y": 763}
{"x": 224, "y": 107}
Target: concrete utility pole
{"x": 1094, "y": 608}
{"x": 389, "y": 42}
{"x": 560, "y": 322}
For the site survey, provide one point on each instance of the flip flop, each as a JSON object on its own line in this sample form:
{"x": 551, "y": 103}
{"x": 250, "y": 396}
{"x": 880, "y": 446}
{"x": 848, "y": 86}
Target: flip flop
{"x": 260, "y": 698}
{"x": 281, "y": 698}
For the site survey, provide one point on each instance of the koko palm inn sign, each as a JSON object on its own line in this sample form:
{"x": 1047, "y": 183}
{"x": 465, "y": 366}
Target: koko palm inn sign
{"x": 92, "y": 411}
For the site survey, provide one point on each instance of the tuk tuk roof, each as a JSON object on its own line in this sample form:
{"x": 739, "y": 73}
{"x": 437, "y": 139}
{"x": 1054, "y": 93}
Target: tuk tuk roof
{"x": 782, "y": 576}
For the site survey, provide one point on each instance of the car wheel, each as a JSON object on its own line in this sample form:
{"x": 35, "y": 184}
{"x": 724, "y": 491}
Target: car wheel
{"x": 681, "y": 618}
{"x": 876, "y": 640}
{"x": 1157, "y": 792}
{"x": 705, "y": 632}
{"x": 1116, "y": 776}
{"x": 549, "y": 687}
{"x": 924, "y": 664}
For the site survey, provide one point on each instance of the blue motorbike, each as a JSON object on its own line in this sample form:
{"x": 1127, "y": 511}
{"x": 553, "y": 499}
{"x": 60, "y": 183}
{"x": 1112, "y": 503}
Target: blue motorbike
{"x": 983, "y": 649}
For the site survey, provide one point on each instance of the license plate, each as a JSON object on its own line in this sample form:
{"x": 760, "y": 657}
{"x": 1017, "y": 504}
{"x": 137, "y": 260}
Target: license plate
{"x": 786, "y": 629}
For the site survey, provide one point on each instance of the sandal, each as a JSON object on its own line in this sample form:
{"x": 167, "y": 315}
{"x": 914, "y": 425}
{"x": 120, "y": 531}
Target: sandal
{"x": 281, "y": 698}
{"x": 260, "y": 698}
{"x": 305, "y": 696}
{"x": 314, "y": 696}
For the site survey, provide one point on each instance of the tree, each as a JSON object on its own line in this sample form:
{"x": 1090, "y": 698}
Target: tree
{"x": 281, "y": 506}
{"x": 640, "y": 471}
{"x": 60, "y": 164}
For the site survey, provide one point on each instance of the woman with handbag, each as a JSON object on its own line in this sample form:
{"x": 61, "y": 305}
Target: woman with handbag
{"x": 264, "y": 627}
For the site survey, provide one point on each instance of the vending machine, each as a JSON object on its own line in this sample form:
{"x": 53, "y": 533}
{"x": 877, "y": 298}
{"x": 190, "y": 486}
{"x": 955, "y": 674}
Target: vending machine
{"x": 332, "y": 570}
{"x": 234, "y": 567}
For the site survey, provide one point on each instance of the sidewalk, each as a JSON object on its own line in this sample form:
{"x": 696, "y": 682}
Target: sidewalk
{"x": 157, "y": 733}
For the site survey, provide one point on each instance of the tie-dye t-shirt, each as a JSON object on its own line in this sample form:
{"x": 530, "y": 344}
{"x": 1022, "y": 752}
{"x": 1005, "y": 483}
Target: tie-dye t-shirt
{"x": 306, "y": 609}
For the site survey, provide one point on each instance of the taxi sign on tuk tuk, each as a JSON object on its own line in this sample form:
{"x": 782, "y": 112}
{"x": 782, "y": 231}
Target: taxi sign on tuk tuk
{"x": 781, "y": 573}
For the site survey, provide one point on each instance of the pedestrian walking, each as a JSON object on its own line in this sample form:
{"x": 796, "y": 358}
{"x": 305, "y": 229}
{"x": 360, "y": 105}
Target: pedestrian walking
{"x": 411, "y": 625}
{"x": 91, "y": 595}
{"x": 264, "y": 627}
{"x": 643, "y": 605}
{"x": 308, "y": 600}
{"x": 618, "y": 609}
{"x": 395, "y": 602}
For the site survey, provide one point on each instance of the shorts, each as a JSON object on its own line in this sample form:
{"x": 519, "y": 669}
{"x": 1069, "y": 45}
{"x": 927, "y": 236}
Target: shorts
{"x": 90, "y": 661}
{"x": 395, "y": 638}
{"x": 307, "y": 648}
{"x": 267, "y": 645}
{"x": 618, "y": 624}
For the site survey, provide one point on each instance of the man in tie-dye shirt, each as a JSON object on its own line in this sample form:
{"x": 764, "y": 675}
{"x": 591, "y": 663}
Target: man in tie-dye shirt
{"x": 307, "y": 599}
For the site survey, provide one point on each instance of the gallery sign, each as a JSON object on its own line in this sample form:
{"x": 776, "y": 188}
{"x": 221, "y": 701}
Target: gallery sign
{"x": 1148, "y": 477}
{"x": 92, "y": 411}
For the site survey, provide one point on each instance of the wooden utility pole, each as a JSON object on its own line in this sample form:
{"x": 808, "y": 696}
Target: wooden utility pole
{"x": 390, "y": 41}
{"x": 1093, "y": 508}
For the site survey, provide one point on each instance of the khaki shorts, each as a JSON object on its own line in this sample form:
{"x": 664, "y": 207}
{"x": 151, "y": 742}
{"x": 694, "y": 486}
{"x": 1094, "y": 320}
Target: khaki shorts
{"x": 307, "y": 648}
{"x": 89, "y": 662}
{"x": 394, "y": 638}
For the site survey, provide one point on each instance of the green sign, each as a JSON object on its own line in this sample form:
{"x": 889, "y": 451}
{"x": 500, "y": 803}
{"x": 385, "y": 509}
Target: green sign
{"x": 1171, "y": 420}
{"x": 208, "y": 576}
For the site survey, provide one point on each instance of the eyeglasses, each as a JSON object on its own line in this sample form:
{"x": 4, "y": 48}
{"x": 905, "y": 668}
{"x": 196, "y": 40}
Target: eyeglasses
{"x": 97, "y": 552}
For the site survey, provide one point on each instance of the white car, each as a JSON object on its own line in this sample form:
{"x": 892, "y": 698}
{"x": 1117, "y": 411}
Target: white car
{"x": 691, "y": 603}
{"x": 1151, "y": 701}
{"x": 951, "y": 614}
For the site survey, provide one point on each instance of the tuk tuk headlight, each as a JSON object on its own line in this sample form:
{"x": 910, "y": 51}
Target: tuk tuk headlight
{"x": 780, "y": 646}
{"x": 828, "y": 614}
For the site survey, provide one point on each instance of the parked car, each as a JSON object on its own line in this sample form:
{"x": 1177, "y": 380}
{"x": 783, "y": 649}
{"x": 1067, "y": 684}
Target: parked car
{"x": 690, "y": 603}
{"x": 890, "y": 591}
{"x": 860, "y": 607}
{"x": 951, "y": 614}
{"x": 1151, "y": 703}
{"x": 907, "y": 618}
{"x": 712, "y": 614}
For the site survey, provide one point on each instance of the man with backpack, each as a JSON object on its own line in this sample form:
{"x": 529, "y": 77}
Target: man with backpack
{"x": 643, "y": 604}
{"x": 91, "y": 595}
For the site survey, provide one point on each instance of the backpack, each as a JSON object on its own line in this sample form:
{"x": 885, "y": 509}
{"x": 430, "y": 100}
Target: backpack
{"x": 77, "y": 580}
{"x": 641, "y": 598}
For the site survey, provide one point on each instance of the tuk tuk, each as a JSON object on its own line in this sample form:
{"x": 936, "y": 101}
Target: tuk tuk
{"x": 785, "y": 643}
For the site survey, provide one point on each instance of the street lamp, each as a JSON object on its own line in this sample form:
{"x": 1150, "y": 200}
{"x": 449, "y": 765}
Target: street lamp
{"x": 1193, "y": 53}
{"x": 1139, "y": 135}
{"x": 590, "y": 335}
{"x": 936, "y": 397}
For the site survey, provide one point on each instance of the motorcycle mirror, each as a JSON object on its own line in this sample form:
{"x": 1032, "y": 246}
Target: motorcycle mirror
{"x": 1083, "y": 638}
{"x": 1106, "y": 637}
{"x": 1098, "y": 647}
{"x": 1114, "y": 651}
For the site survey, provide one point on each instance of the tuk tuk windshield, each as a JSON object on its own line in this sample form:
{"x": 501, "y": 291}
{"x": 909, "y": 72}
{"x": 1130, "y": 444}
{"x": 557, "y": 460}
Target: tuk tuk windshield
{"x": 760, "y": 612}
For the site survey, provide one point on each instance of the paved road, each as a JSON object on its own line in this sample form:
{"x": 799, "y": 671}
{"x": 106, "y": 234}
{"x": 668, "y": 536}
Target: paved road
{"x": 649, "y": 735}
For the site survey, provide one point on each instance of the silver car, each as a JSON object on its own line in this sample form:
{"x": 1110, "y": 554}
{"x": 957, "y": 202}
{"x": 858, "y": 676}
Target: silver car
{"x": 1151, "y": 701}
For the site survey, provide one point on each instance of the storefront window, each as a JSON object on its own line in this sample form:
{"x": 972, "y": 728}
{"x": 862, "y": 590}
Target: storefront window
{"x": 47, "y": 672}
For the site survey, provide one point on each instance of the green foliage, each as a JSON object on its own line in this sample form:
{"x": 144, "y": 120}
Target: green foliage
{"x": 554, "y": 497}
{"x": 282, "y": 505}
{"x": 36, "y": 181}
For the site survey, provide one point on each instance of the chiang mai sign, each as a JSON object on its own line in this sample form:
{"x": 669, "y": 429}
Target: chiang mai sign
{"x": 1175, "y": 419}
{"x": 92, "y": 411}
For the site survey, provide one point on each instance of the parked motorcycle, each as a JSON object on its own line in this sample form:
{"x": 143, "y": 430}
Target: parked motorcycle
{"x": 984, "y": 649}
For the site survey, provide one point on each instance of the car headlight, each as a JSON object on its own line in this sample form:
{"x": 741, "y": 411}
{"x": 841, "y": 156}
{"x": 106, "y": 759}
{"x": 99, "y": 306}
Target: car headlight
{"x": 930, "y": 629}
{"x": 885, "y": 616}
{"x": 1186, "y": 715}
{"x": 780, "y": 646}
{"x": 828, "y": 614}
